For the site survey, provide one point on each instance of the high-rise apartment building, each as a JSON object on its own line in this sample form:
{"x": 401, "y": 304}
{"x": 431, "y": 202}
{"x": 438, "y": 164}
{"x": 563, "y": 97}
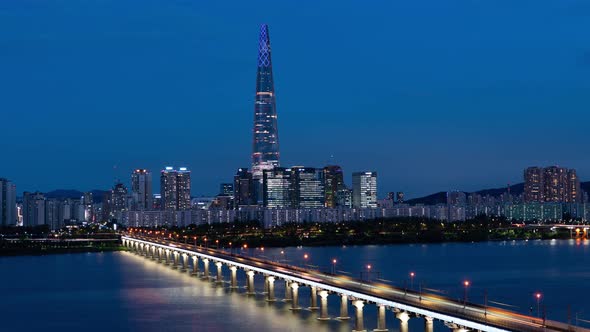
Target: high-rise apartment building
{"x": 119, "y": 198}
{"x": 183, "y": 184}
{"x": 551, "y": 184}
{"x": 265, "y": 154}
{"x": 533, "y": 184}
{"x": 141, "y": 190}
{"x": 175, "y": 188}
{"x": 33, "y": 209}
{"x": 333, "y": 181}
{"x": 364, "y": 189}
{"x": 8, "y": 216}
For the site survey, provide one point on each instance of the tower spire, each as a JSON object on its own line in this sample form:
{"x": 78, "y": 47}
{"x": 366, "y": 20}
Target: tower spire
{"x": 265, "y": 147}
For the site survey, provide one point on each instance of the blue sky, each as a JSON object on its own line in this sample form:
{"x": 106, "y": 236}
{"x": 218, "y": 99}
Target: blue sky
{"x": 434, "y": 95}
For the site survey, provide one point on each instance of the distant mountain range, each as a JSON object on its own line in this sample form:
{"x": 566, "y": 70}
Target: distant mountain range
{"x": 516, "y": 189}
{"x": 97, "y": 195}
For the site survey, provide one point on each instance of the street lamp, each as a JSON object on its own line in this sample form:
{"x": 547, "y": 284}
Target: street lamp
{"x": 412, "y": 275}
{"x": 538, "y": 297}
{"x": 334, "y": 266}
{"x": 466, "y": 284}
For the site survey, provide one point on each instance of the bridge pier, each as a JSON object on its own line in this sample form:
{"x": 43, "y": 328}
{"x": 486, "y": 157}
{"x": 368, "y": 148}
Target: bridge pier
{"x": 313, "y": 302}
{"x": 359, "y": 324}
{"x": 295, "y": 296}
{"x": 174, "y": 259}
{"x": 184, "y": 263}
{"x": 234, "y": 278}
{"x": 153, "y": 252}
{"x": 323, "y": 305}
{"x": 195, "y": 265}
{"x": 287, "y": 291}
{"x": 270, "y": 295}
{"x": 205, "y": 268}
{"x": 219, "y": 272}
{"x": 343, "y": 308}
{"x": 428, "y": 324}
{"x": 250, "y": 283}
{"x": 403, "y": 320}
{"x": 381, "y": 323}
{"x": 265, "y": 291}
{"x": 166, "y": 256}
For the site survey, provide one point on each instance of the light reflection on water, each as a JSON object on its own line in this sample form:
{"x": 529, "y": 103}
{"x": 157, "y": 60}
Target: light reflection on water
{"x": 125, "y": 292}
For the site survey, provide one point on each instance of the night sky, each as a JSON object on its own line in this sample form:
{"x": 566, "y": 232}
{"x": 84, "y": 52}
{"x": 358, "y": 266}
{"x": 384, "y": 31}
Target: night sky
{"x": 434, "y": 95}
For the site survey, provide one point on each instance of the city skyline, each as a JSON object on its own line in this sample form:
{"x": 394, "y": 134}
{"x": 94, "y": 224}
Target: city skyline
{"x": 422, "y": 129}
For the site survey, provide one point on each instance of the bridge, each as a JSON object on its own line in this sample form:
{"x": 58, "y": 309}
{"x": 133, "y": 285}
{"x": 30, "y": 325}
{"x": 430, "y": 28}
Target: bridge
{"x": 459, "y": 316}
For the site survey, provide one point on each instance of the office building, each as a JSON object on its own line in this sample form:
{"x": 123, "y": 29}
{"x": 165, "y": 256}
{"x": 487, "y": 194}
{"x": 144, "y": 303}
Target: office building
{"x": 308, "y": 187}
{"x": 364, "y": 189}
{"x": 278, "y": 188}
{"x": 243, "y": 188}
{"x": 333, "y": 181}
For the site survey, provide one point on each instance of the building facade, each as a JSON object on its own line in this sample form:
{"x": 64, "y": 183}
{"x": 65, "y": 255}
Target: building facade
{"x": 265, "y": 146}
{"x": 8, "y": 216}
{"x": 364, "y": 189}
{"x": 141, "y": 190}
{"x": 175, "y": 188}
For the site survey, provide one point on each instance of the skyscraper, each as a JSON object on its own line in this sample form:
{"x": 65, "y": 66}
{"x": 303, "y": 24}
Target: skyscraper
{"x": 7, "y": 203}
{"x": 333, "y": 181}
{"x": 308, "y": 187}
{"x": 278, "y": 188}
{"x": 364, "y": 189}
{"x": 175, "y": 188}
{"x": 183, "y": 183}
{"x": 265, "y": 154}
{"x": 141, "y": 190}
{"x": 243, "y": 188}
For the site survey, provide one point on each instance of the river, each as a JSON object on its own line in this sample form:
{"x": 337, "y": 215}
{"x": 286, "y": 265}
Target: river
{"x": 121, "y": 291}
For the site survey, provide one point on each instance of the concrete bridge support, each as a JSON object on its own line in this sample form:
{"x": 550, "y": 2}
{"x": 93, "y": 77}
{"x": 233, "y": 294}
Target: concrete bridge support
{"x": 250, "y": 283}
{"x": 403, "y": 320}
{"x": 219, "y": 273}
{"x": 184, "y": 262}
{"x": 343, "y": 308}
{"x": 206, "y": 269}
{"x": 234, "y": 278}
{"x": 428, "y": 324}
{"x": 323, "y": 305}
{"x": 270, "y": 295}
{"x": 295, "y": 296}
{"x": 381, "y": 324}
{"x": 195, "y": 265}
{"x": 359, "y": 324}
{"x": 174, "y": 259}
{"x": 313, "y": 302}
{"x": 288, "y": 296}
{"x": 166, "y": 256}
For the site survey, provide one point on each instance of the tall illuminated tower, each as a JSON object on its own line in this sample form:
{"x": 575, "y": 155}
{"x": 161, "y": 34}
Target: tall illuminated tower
{"x": 265, "y": 147}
